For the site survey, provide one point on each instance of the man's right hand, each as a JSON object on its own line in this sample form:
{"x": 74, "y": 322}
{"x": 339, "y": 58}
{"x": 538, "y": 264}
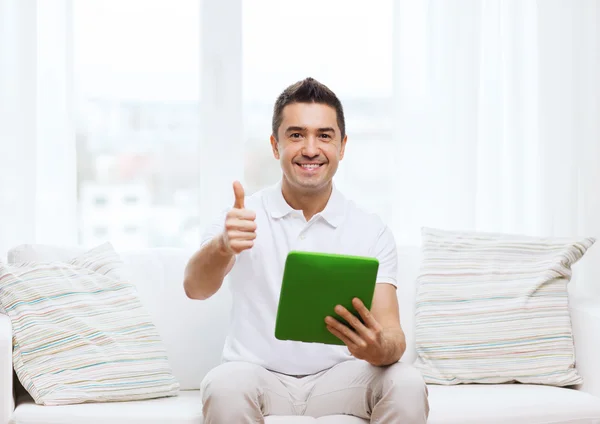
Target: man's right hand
{"x": 240, "y": 226}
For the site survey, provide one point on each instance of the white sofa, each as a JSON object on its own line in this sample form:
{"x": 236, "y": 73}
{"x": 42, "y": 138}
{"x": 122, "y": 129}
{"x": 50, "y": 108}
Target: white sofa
{"x": 194, "y": 333}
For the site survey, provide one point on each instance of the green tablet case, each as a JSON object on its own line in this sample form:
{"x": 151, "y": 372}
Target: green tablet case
{"x": 313, "y": 284}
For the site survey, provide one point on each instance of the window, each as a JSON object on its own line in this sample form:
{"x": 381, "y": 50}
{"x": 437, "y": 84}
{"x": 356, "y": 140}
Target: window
{"x": 100, "y": 232}
{"x": 130, "y": 200}
{"x": 139, "y": 139}
{"x": 100, "y": 201}
{"x": 136, "y": 64}
{"x": 130, "y": 229}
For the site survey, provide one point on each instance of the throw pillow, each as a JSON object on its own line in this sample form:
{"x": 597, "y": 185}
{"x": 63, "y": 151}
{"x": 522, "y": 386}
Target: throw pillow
{"x": 493, "y": 308}
{"x": 81, "y": 334}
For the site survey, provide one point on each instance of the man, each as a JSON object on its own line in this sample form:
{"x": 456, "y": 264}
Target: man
{"x": 261, "y": 375}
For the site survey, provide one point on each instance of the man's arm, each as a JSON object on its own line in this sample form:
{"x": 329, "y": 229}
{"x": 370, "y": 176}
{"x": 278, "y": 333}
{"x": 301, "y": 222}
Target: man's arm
{"x": 386, "y": 312}
{"x": 206, "y": 269}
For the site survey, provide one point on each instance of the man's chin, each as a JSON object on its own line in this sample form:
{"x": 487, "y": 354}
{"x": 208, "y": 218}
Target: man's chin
{"x": 310, "y": 183}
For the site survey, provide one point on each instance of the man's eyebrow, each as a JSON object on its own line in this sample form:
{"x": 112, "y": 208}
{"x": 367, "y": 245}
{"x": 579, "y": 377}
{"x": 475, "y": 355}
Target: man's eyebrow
{"x": 295, "y": 129}
{"x": 327, "y": 129}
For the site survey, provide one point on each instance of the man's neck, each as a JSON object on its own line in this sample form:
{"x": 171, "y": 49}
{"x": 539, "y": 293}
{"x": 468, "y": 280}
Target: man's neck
{"x": 310, "y": 203}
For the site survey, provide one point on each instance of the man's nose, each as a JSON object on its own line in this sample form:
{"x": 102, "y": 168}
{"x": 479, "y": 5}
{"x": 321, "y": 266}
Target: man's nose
{"x": 311, "y": 147}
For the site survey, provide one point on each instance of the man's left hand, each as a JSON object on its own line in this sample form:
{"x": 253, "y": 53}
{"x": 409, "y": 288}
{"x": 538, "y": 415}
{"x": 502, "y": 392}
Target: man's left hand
{"x": 364, "y": 341}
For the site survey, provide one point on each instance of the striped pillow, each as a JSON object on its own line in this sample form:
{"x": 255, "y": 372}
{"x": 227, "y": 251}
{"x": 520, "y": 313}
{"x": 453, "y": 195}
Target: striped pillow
{"x": 493, "y": 308}
{"x": 81, "y": 334}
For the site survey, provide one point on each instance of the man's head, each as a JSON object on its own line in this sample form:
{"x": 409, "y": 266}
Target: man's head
{"x": 309, "y": 134}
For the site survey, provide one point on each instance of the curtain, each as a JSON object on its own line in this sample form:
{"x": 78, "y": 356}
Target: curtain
{"x": 38, "y": 195}
{"x": 497, "y": 105}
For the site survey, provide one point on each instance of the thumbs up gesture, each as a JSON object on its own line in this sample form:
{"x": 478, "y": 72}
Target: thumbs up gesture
{"x": 240, "y": 226}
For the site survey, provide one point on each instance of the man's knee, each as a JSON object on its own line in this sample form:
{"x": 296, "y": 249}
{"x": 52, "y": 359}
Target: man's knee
{"x": 230, "y": 381}
{"x": 405, "y": 376}
{"x": 406, "y": 384}
{"x": 230, "y": 394}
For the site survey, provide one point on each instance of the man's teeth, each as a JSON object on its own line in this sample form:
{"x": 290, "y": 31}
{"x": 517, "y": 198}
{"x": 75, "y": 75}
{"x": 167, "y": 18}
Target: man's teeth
{"x": 310, "y": 166}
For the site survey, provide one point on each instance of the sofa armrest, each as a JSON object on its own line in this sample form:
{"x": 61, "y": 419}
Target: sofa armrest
{"x": 585, "y": 318}
{"x": 7, "y": 400}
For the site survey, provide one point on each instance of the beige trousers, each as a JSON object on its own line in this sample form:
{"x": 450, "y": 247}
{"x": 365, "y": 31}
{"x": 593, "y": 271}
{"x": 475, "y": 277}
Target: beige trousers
{"x": 244, "y": 393}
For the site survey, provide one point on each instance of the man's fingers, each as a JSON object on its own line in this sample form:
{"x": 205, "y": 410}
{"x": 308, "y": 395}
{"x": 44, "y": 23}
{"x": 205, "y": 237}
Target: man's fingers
{"x": 345, "y": 331}
{"x": 241, "y": 235}
{"x": 366, "y": 315}
{"x": 233, "y": 224}
{"x": 240, "y": 225}
{"x": 245, "y": 214}
{"x": 341, "y": 336}
{"x": 238, "y": 192}
{"x": 351, "y": 319}
{"x": 239, "y": 245}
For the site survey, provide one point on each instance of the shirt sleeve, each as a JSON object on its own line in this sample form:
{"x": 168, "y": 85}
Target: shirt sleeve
{"x": 385, "y": 251}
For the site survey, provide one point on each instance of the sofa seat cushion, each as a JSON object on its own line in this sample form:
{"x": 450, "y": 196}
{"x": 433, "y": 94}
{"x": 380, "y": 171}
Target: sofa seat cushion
{"x": 186, "y": 408}
{"x": 511, "y": 403}
{"x": 461, "y": 404}
{"x": 183, "y": 409}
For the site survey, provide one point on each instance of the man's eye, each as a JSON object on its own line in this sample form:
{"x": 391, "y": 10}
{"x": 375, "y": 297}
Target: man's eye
{"x": 295, "y": 135}
{"x": 325, "y": 136}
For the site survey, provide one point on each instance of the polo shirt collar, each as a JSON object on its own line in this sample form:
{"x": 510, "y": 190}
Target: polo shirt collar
{"x": 333, "y": 212}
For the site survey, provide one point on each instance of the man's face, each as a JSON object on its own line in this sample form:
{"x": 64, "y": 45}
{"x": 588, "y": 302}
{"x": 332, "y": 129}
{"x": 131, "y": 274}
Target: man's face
{"x": 309, "y": 146}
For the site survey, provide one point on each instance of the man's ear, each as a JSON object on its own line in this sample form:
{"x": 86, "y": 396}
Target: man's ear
{"x": 343, "y": 147}
{"x": 275, "y": 147}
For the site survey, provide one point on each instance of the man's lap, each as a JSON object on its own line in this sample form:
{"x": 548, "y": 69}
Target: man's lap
{"x": 352, "y": 387}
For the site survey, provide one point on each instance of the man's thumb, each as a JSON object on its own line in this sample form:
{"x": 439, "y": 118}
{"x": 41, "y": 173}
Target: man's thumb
{"x": 238, "y": 191}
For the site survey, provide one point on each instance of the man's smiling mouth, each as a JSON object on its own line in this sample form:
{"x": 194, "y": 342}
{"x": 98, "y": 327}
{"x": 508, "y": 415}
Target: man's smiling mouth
{"x": 310, "y": 166}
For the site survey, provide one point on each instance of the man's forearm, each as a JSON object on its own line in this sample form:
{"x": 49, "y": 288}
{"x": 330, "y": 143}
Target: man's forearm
{"x": 206, "y": 270}
{"x": 394, "y": 344}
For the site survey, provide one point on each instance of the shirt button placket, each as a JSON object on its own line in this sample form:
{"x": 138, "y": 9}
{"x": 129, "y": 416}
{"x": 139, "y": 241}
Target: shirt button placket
{"x": 302, "y": 235}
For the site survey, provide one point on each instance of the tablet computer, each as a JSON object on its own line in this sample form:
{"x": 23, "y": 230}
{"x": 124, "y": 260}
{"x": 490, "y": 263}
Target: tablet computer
{"x": 313, "y": 284}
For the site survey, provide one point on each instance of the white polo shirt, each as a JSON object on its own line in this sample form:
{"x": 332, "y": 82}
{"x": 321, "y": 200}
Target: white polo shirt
{"x": 255, "y": 280}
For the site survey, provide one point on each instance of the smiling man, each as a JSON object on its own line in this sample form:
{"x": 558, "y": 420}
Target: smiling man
{"x": 261, "y": 375}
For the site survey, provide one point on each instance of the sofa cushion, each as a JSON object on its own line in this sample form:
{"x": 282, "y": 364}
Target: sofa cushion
{"x": 80, "y": 332}
{"x": 183, "y": 409}
{"x": 463, "y": 404}
{"x": 193, "y": 331}
{"x": 493, "y": 308}
{"x": 511, "y": 403}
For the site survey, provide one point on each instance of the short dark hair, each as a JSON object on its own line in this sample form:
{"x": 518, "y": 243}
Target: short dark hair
{"x": 308, "y": 90}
